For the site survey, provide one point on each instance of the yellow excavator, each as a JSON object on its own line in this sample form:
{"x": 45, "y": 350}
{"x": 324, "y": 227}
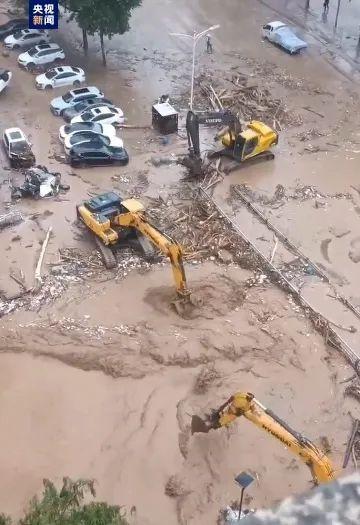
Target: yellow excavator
{"x": 245, "y": 404}
{"x": 114, "y": 222}
{"x": 238, "y": 144}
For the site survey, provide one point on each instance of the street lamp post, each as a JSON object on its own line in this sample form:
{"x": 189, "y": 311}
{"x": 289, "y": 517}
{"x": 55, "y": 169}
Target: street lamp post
{"x": 195, "y": 38}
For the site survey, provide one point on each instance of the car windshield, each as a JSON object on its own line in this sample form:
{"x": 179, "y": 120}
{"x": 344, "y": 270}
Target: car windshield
{"x": 19, "y": 146}
{"x": 17, "y": 34}
{"x": 67, "y": 97}
{"x": 32, "y": 51}
{"x": 87, "y": 115}
{"x": 50, "y": 74}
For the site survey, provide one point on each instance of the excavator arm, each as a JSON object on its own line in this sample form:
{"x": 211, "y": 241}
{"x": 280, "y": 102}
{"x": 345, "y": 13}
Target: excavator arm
{"x": 245, "y": 404}
{"x": 193, "y": 121}
{"x": 163, "y": 242}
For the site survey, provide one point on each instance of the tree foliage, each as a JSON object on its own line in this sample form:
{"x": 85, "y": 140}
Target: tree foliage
{"x": 105, "y": 17}
{"x": 67, "y": 507}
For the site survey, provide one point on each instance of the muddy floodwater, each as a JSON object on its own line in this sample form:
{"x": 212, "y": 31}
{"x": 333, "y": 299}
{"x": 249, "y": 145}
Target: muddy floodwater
{"x": 99, "y": 376}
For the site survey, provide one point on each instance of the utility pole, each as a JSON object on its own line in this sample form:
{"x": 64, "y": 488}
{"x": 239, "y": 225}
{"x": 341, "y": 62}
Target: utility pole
{"x": 337, "y": 13}
{"x": 195, "y": 37}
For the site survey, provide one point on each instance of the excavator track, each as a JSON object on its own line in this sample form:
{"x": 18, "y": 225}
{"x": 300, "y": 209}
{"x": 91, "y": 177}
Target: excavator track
{"x": 107, "y": 254}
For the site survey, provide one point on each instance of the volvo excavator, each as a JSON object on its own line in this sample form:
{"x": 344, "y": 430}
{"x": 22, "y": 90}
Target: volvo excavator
{"x": 245, "y": 404}
{"x": 239, "y": 144}
{"x": 115, "y": 222}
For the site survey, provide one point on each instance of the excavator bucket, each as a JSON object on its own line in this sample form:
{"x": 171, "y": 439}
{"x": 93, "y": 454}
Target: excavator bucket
{"x": 204, "y": 425}
{"x": 199, "y": 425}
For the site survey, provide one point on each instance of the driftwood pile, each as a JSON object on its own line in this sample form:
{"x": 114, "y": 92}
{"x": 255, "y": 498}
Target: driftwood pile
{"x": 200, "y": 229}
{"x": 247, "y": 100}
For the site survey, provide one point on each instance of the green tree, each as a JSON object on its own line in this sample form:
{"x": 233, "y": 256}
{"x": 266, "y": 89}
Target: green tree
{"x": 104, "y": 17}
{"x": 67, "y": 507}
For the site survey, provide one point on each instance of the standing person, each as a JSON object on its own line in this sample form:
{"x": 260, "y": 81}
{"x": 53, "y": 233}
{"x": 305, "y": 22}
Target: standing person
{"x": 326, "y": 5}
{"x": 209, "y": 47}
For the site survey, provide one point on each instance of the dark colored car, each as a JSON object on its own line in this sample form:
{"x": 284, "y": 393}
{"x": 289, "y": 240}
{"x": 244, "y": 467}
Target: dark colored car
{"x": 12, "y": 26}
{"x": 69, "y": 113}
{"x": 95, "y": 153}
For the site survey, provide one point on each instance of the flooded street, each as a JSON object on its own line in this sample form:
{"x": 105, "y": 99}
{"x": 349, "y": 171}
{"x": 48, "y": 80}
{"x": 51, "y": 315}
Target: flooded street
{"x": 98, "y": 374}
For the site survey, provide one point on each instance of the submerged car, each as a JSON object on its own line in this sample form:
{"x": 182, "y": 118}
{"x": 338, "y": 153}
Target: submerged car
{"x": 95, "y": 153}
{"x": 103, "y": 129}
{"x": 26, "y": 38}
{"x": 5, "y": 77}
{"x": 80, "y": 107}
{"x": 60, "y": 76}
{"x": 12, "y": 26}
{"x": 103, "y": 114}
{"x": 39, "y": 182}
{"x": 89, "y": 136}
{"x": 283, "y": 36}
{"x": 41, "y": 55}
{"x": 59, "y": 104}
{"x": 18, "y": 148}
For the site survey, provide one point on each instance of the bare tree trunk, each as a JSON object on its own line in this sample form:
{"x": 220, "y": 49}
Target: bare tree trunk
{"x": 102, "y": 48}
{"x": 307, "y": 4}
{"x": 85, "y": 41}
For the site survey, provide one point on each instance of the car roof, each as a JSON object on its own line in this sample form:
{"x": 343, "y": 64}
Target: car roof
{"x": 86, "y": 89}
{"x": 276, "y": 24}
{"x": 26, "y": 31}
{"x": 15, "y": 130}
{"x": 65, "y": 69}
{"x": 101, "y": 110}
{"x": 52, "y": 45}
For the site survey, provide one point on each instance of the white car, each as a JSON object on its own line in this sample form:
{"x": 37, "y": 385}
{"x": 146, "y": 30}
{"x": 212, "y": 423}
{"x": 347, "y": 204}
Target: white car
{"x": 283, "y": 36}
{"x": 41, "y": 54}
{"x": 26, "y": 38}
{"x": 90, "y": 136}
{"x": 18, "y": 148}
{"x": 5, "y": 77}
{"x": 102, "y": 129}
{"x": 60, "y": 76}
{"x": 102, "y": 114}
{"x": 59, "y": 104}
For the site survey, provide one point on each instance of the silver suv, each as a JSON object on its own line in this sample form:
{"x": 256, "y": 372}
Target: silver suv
{"x": 59, "y": 104}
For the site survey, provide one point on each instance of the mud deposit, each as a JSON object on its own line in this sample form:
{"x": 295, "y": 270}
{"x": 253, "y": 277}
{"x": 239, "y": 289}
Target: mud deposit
{"x": 128, "y": 425}
{"x": 99, "y": 376}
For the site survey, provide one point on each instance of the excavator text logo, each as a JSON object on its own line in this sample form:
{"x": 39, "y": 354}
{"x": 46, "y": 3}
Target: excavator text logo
{"x": 278, "y": 436}
{"x": 213, "y": 121}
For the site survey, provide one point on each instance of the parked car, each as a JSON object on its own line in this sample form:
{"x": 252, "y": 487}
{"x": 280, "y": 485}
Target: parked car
{"x": 103, "y": 114}
{"x": 80, "y": 107}
{"x": 59, "y": 104}
{"x": 5, "y": 77}
{"x": 103, "y": 129}
{"x": 60, "y": 76}
{"x": 89, "y": 136}
{"x": 40, "y": 55}
{"x": 26, "y": 38}
{"x": 12, "y": 26}
{"x": 18, "y": 148}
{"x": 282, "y": 35}
{"x": 97, "y": 154}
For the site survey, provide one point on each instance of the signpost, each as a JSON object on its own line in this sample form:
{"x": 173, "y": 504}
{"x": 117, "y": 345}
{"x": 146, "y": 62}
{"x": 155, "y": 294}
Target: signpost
{"x": 244, "y": 480}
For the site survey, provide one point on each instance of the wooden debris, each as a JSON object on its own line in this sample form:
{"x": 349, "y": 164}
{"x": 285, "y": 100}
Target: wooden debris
{"x": 313, "y": 111}
{"x": 351, "y": 442}
{"x": 274, "y": 249}
{"x": 38, "y": 280}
